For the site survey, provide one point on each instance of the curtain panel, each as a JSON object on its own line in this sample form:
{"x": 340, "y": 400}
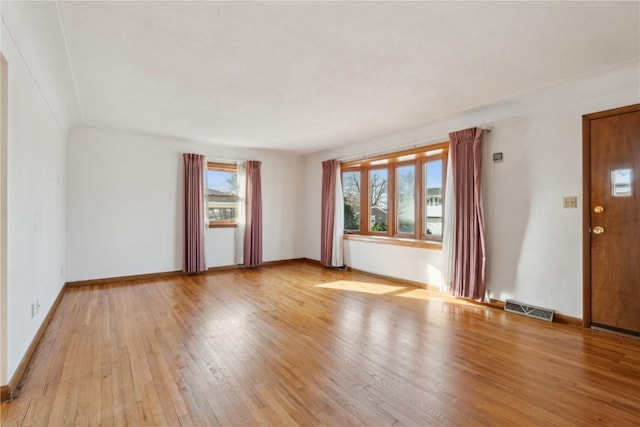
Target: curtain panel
{"x": 253, "y": 224}
{"x": 241, "y": 220}
{"x": 337, "y": 252}
{"x": 194, "y": 209}
{"x": 332, "y": 219}
{"x": 469, "y": 267}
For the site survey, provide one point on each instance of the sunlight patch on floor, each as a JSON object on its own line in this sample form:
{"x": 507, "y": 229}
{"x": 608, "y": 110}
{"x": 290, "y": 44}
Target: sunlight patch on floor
{"x": 365, "y": 287}
{"x": 421, "y": 294}
{"x": 396, "y": 290}
{"x": 425, "y": 294}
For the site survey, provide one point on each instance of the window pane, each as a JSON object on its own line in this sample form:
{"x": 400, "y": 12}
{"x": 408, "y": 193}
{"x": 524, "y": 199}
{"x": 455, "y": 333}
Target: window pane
{"x": 433, "y": 198}
{"x": 222, "y": 195}
{"x": 351, "y": 193}
{"x": 622, "y": 182}
{"x": 378, "y": 190}
{"x": 406, "y": 198}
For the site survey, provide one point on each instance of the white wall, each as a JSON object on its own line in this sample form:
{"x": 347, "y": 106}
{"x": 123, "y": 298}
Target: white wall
{"x": 534, "y": 245}
{"x": 124, "y": 204}
{"x": 4, "y": 84}
{"x": 3, "y": 214}
{"x": 118, "y": 213}
{"x": 409, "y": 263}
{"x": 34, "y": 29}
{"x": 38, "y": 118}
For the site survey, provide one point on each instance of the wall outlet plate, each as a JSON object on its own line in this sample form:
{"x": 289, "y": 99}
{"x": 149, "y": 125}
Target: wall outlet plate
{"x": 570, "y": 202}
{"x": 497, "y": 157}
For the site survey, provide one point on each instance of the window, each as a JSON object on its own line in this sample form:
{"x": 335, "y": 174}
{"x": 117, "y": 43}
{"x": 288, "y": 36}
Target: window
{"x": 378, "y": 207}
{"x": 403, "y": 196}
{"x": 433, "y": 179}
{"x": 222, "y": 194}
{"x": 406, "y": 199}
{"x": 351, "y": 190}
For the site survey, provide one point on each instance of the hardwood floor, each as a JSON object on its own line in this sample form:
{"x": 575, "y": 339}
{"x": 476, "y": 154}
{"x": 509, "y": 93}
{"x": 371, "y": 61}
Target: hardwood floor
{"x": 296, "y": 344}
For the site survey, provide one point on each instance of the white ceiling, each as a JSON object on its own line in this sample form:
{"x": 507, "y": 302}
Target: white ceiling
{"x": 309, "y": 76}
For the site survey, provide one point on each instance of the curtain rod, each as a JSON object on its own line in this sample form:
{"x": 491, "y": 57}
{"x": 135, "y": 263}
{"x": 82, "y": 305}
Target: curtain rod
{"x": 415, "y": 144}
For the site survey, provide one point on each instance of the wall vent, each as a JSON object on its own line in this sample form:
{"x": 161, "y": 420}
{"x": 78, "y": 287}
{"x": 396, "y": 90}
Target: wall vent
{"x": 528, "y": 310}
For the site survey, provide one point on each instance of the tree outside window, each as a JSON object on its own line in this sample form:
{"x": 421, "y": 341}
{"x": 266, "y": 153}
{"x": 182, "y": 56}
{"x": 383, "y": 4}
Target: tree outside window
{"x": 378, "y": 189}
{"x": 351, "y": 192}
{"x": 404, "y": 194}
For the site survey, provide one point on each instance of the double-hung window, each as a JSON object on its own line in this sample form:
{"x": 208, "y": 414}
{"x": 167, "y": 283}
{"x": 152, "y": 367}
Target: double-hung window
{"x": 398, "y": 197}
{"x": 222, "y": 194}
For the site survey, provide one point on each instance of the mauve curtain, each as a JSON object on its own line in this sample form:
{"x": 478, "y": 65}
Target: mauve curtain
{"x": 253, "y": 225}
{"x": 470, "y": 248}
{"x": 330, "y": 249}
{"x": 194, "y": 225}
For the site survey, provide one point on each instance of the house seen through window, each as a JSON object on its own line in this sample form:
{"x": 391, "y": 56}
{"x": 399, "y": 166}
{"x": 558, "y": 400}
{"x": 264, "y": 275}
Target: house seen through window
{"x": 222, "y": 194}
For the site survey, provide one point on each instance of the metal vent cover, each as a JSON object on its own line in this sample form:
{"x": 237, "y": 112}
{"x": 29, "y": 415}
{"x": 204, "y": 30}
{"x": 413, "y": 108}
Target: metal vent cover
{"x": 528, "y": 310}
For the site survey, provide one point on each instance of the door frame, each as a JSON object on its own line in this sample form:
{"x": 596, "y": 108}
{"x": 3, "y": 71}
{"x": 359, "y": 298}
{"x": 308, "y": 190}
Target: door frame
{"x": 586, "y": 205}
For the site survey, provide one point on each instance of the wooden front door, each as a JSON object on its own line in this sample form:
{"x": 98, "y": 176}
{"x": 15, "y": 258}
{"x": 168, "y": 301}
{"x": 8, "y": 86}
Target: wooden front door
{"x": 612, "y": 219}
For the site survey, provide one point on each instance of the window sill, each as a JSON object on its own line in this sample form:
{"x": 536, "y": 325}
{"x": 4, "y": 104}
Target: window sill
{"x": 222, "y": 224}
{"x": 398, "y": 241}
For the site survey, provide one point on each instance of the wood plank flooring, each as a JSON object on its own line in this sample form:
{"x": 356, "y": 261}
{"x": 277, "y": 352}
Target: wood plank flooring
{"x": 296, "y": 344}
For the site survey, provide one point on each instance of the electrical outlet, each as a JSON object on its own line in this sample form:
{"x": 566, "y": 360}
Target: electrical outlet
{"x": 33, "y": 310}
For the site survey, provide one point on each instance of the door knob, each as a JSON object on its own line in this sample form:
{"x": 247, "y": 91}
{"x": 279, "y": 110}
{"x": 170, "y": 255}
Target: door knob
{"x": 598, "y": 209}
{"x": 598, "y": 230}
